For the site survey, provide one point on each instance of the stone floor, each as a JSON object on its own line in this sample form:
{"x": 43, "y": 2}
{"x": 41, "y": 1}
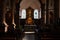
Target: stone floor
{"x": 29, "y": 37}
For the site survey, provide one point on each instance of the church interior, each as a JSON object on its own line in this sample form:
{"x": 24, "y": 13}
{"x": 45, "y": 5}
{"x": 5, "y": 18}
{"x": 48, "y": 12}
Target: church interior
{"x": 29, "y": 19}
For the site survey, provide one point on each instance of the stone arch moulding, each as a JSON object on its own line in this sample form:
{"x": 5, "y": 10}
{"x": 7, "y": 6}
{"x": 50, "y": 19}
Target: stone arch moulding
{"x": 35, "y": 4}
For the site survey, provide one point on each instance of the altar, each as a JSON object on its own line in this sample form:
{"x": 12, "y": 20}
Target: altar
{"x": 29, "y": 28}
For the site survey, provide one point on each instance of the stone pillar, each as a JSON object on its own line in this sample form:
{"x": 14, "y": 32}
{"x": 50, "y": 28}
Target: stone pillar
{"x": 1, "y": 12}
{"x": 56, "y": 5}
{"x": 47, "y": 1}
{"x": 13, "y": 12}
{"x": 4, "y": 12}
{"x": 51, "y": 12}
{"x": 45, "y": 13}
{"x": 59, "y": 8}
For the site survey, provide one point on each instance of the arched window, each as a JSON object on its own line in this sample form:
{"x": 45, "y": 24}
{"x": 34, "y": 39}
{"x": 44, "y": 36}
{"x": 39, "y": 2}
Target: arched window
{"x": 23, "y": 15}
{"x": 35, "y": 14}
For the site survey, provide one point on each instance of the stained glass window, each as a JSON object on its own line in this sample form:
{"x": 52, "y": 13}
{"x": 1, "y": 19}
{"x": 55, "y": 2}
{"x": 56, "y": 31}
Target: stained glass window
{"x": 23, "y": 15}
{"x": 35, "y": 14}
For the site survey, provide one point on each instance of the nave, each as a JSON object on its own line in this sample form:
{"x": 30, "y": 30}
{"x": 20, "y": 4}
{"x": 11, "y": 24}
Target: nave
{"x": 29, "y": 19}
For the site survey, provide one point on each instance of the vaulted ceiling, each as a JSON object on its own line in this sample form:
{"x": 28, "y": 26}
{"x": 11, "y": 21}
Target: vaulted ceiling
{"x": 43, "y": 1}
{"x": 35, "y": 4}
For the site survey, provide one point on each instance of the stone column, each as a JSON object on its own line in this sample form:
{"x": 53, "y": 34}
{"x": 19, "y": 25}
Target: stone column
{"x": 47, "y": 1}
{"x": 56, "y": 5}
{"x": 45, "y": 13}
{"x": 59, "y": 8}
{"x": 4, "y": 12}
{"x": 13, "y": 11}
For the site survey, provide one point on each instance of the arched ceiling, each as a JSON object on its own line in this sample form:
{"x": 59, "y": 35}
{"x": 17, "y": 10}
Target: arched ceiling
{"x": 43, "y": 1}
{"x": 30, "y": 3}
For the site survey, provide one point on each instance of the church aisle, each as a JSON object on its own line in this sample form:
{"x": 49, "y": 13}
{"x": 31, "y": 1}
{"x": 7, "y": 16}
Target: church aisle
{"x": 29, "y": 37}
